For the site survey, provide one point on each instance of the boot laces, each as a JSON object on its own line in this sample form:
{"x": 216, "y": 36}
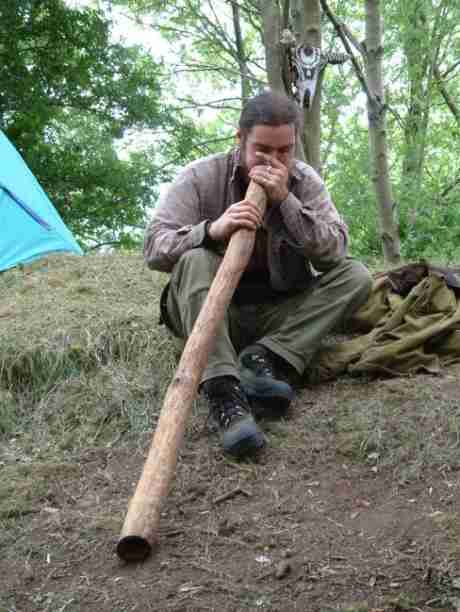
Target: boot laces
{"x": 227, "y": 412}
{"x": 227, "y": 404}
{"x": 260, "y": 365}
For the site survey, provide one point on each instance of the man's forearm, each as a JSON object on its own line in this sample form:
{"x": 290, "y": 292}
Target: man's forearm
{"x": 163, "y": 246}
{"x": 316, "y": 227}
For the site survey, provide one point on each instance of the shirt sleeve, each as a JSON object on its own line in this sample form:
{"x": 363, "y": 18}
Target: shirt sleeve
{"x": 313, "y": 222}
{"x": 177, "y": 225}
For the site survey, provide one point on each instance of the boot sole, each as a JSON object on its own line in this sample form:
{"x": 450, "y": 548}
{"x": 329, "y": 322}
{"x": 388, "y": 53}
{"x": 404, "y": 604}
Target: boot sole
{"x": 269, "y": 400}
{"x": 246, "y": 447}
{"x": 245, "y": 439}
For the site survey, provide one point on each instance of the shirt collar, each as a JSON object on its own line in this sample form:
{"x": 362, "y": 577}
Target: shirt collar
{"x": 237, "y": 163}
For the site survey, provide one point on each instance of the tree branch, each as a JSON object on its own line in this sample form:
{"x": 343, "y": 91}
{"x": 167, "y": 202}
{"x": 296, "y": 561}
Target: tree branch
{"x": 102, "y": 244}
{"x": 219, "y": 29}
{"x": 179, "y": 68}
{"x": 445, "y": 94}
{"x": 215, "y": 104}
{"x": 450, "y": 187}
{"x": 359, "y": 73}
{"x": 157, "y": 27}
{"x": 354, "y": 41}
{"x": 218, "y": 33}
{"x": 450, "y": 69}
{"x": 202, "y": 143}
{"x": 251, "y": 15}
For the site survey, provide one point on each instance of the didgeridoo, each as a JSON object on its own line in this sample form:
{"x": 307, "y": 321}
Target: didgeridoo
{"x": 140, "y": 529}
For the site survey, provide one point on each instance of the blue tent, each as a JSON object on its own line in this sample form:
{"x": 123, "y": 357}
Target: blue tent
{"x": 30, "y": 226}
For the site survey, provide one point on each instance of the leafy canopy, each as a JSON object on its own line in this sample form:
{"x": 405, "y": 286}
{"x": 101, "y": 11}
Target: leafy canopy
{"x": 67, "y": 94}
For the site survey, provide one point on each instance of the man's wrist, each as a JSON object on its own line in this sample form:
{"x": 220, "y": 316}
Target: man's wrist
{"x": 208, "y": 241}
{"x": 280, "y": 200}
{"x": 208, "y": 230}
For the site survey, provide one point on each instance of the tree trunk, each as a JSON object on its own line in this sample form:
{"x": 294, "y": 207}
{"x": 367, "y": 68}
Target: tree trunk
{"x": 307, "y": 22}
{"x": 415, "y": 49}
{"x": 271, "y": 21}
{"x": 242, "y": 62}
{"x": 378, "y": 134}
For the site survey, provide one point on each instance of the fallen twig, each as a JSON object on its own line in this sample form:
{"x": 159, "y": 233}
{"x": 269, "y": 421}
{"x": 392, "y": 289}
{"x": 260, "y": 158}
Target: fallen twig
{"x": 230, "y": 494}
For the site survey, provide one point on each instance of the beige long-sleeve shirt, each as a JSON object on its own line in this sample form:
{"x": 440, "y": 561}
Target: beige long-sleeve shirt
{"x": 303, "y": 232}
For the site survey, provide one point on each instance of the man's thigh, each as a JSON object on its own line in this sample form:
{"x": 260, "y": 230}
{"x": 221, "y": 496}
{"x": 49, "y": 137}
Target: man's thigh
{"x": 254, "y": 321}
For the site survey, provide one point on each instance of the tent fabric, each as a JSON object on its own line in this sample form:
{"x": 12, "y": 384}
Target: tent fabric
{"x": 30, "y": 226}
{"x": 410, "y": 324}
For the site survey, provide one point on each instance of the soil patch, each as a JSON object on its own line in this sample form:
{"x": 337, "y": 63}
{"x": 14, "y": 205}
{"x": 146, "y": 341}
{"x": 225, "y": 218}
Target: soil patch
{"x": 353, "y": 506}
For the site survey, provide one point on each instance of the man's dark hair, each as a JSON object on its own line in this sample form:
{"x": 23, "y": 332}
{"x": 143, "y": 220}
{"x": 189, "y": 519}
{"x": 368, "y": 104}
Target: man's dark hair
{"x": 269, "y": 108}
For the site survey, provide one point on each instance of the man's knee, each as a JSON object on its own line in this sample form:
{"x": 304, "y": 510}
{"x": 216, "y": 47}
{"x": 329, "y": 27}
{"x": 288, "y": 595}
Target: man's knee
{"x": 359, "y": 284}
{"x": 197, "y": 263}
{"x": 200, "y": 257}
{"x": 350, "y": 277}
{"x": 360, "y": 276}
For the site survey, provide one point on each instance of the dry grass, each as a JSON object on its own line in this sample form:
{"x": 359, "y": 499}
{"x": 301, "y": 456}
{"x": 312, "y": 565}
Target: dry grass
{"x": 82, "y": 357}
{"x": 22, "y": 487}
{"x": 406, "y": 425}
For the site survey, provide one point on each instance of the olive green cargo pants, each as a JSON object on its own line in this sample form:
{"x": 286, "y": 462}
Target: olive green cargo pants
{"x": 292, "y": 327}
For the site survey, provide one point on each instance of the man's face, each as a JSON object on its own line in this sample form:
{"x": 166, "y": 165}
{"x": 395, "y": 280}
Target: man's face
{"x": 273, "y": 141}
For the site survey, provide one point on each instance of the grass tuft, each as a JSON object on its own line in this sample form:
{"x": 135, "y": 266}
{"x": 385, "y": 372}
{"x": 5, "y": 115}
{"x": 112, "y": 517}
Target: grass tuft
{"x": 23, "y": 486}
{"x": 407, "y": 433}
{"x": 82, "y": 357}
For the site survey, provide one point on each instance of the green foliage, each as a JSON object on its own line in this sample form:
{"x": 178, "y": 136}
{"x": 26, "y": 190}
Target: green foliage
{"x": 55, "y": 57}
{"x": 68, "y": 94}
{"x": 98, "y": 194}
{"x": 348, "y": 180}
{"x": 71, "y": 98}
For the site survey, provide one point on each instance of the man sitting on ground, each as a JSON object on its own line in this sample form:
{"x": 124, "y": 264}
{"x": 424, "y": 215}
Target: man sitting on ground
{"x": 299, "y": 283}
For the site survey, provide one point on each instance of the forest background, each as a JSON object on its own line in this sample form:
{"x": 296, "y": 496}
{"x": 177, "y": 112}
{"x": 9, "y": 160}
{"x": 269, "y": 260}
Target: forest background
{"x": 105, "y": 123}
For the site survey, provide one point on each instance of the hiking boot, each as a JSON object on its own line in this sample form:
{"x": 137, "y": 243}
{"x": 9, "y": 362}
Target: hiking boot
{"x": 231, "y": 414}
{"x": 268, "y": 395}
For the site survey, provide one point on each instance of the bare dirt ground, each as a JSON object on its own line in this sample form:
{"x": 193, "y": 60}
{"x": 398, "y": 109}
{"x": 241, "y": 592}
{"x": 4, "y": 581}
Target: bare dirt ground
{"x": 353, "y": 507}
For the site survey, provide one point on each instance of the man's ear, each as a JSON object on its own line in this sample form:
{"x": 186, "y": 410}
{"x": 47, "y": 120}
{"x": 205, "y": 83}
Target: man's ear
{"x": 238, "y": 136}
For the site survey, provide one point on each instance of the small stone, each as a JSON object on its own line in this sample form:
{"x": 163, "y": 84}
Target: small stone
{"x": 282, "y": 569}
{"x": 29, "y": 575}
{"x": 287, "y": 554}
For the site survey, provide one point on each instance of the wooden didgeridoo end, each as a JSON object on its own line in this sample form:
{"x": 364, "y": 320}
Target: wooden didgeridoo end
{"x": 132, "y": 548}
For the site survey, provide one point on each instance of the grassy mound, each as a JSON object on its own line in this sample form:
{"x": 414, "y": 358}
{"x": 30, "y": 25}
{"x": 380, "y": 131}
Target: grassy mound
{"x": 82, "y": 357}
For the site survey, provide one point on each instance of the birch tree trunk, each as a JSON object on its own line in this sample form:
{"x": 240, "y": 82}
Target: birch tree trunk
{"x": 378, "y": 134}
{"x": 307, "y": 22}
